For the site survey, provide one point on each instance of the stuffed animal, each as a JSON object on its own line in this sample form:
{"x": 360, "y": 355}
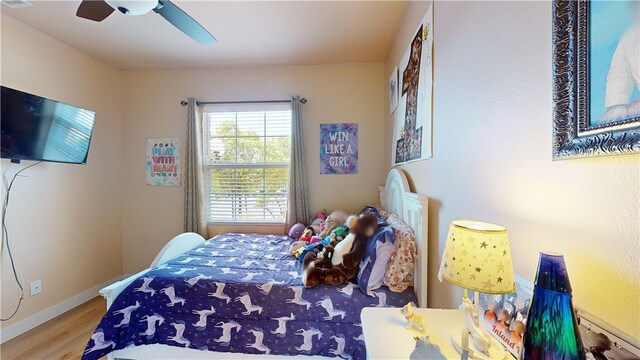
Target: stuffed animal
{"x": 311, "y": 250}
{"x": 345, "y": 258}
{"x": 296, "y": 245}
{"x": 307, "y": 234}
{"x": 324, "y": 258}
{"x": 296, "y": 230}
{"x": 315, "y": 239}
{"x": 317, "y": 222}
{"x": 337, "y": 218}
{"x": 339, "y": 234}
{"x": 344, "y": 248}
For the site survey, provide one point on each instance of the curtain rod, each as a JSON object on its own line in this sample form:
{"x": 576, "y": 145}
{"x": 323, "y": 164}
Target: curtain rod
{"x": 184, "y": 103}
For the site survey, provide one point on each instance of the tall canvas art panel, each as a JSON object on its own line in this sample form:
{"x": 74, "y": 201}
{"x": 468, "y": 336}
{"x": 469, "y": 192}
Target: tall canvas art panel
{"x": 163, "y": 161}
{"x": 413, "y": 117}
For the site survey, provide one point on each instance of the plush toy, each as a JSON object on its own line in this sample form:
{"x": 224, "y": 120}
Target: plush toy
{"x": 317, "y": 222}
{"x": 337, "y": 218}
{"x": 311, "y": 250}
{"x": 339, "y": 234}
{"x": 296, "y": 230}
{"x": 315, "y": 239}
{"x": 296, "y": 245}
{"x": 307, "y": 234}
{"x": 345, "y": 256}
{"x": 324, "y": 258}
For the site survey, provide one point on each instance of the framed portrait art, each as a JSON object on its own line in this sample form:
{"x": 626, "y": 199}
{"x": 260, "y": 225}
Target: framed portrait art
{"x": 596, "y": 78}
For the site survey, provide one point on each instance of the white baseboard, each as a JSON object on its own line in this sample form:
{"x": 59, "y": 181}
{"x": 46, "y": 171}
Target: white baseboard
{"x": 43, "y": 316}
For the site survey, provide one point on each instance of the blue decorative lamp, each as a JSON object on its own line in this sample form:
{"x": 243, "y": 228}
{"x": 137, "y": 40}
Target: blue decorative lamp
{"x": 552, "y": 329}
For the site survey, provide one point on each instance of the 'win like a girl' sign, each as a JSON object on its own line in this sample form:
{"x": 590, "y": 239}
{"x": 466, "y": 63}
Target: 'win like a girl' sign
{"x": 339, "y": 148}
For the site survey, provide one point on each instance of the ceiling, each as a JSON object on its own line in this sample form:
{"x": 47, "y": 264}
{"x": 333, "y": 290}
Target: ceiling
{"x": 248, "y": 33}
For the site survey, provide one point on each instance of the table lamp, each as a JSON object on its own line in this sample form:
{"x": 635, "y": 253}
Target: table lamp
{"x": 477, "y": 257}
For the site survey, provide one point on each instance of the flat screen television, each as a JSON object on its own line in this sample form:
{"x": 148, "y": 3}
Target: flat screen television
{"x": 39, "y": 129}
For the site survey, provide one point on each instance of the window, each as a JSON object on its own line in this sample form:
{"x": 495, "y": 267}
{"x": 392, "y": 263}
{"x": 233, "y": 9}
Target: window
{"x": 247, "y": 162}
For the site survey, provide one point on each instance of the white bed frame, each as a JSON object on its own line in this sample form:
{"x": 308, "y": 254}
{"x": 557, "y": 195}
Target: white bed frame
{"x": 395, "y": 197}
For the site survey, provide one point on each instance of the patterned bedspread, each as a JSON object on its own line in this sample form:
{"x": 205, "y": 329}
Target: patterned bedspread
{"x": 239, "y": 293}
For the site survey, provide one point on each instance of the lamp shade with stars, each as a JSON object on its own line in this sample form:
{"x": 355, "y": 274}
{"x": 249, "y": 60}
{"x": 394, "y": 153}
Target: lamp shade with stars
{"x": 477, "y": 257}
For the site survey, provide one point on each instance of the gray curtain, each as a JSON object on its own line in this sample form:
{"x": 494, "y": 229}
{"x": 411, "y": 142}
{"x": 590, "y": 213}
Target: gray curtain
{"x": 298, "y": 202}
{"x": 195, "y": 219}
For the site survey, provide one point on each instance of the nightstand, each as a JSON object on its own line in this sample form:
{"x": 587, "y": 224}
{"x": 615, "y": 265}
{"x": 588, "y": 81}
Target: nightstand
{"x": 386, "y": 335}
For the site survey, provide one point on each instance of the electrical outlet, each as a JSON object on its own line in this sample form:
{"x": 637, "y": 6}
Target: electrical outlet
{"x": 36, "y": 287}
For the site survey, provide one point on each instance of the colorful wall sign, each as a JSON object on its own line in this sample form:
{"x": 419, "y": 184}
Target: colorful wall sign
{"x": 338, "y": 148}
{"x": 163, "y": 161}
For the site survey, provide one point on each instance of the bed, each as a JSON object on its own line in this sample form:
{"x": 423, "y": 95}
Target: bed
{"x": 240, "y": 296}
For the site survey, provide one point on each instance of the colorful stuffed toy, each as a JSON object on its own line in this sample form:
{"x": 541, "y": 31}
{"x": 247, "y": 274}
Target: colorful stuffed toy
{"x": 345, "y": 257}
{"x": 315, "y": 239}
{"x": 307, "y": 234}
{"x": 337, "y": 218}
{"x": 296, "y": 230}
{"x": 317, "y": 222}
{"x": 339, "y": 234}
{"x": 312, "y": 249}
{"x": 297, "y": 245}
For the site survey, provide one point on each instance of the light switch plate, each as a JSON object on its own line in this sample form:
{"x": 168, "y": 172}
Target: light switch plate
{"x": 36, "y": 287}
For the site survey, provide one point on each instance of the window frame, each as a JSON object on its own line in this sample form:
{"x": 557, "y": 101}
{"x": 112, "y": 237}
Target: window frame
{"x": 210, "y": 165}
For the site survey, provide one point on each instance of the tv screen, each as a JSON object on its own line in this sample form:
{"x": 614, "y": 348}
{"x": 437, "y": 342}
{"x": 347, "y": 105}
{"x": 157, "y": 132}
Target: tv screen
{"x": 35, "y": 128}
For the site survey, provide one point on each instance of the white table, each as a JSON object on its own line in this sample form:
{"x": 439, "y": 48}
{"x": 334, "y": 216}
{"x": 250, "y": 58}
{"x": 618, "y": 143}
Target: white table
{"x": 386, "y": 335}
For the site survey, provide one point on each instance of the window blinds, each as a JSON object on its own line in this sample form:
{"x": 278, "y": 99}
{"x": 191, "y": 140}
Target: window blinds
{"x": 247, "y": 162}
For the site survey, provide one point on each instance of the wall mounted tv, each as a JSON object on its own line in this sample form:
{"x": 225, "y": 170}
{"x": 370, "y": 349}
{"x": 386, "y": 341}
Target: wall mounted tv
{"x": 39, "y": 129}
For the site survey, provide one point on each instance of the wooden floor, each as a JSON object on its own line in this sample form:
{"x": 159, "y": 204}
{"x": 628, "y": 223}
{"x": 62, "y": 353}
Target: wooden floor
{"x": 63, "y": 337}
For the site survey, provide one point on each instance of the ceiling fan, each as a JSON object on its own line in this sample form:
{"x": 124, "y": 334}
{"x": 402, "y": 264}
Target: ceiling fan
{"x": 98, "y": 10}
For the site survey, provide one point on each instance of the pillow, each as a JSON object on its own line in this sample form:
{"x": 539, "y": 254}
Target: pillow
{"x": 399, "y": 273}
{"x": 376, "y": 255}
{"x": 296, "y": 230}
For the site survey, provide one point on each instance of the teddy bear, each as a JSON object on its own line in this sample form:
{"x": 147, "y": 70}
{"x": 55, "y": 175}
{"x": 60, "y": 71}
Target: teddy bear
{"x": 345, "y": 257}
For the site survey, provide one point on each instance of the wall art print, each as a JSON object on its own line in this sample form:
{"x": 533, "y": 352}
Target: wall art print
{"x": 413, "y": 117}
{"x": 163, "y": 161}
{"x": 339, "y": 148}
{"x": 596, "y": 78}
{"x": 394, "y": 90}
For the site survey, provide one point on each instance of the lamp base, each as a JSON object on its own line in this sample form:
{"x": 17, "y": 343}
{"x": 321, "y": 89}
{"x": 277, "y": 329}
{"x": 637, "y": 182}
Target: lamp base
{"x": 496, "y": 351}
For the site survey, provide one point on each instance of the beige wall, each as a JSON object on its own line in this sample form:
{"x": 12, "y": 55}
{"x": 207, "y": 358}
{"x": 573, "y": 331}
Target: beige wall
{"x": 492, "y": 158}
{"x": 65, "y": 221}
{"x": 336, "y": 93}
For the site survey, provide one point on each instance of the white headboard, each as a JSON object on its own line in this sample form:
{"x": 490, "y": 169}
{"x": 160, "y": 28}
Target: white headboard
{"x": 397, "y": 198}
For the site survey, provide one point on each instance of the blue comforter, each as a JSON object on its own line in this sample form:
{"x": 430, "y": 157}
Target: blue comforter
{"x": 238, "y": 293}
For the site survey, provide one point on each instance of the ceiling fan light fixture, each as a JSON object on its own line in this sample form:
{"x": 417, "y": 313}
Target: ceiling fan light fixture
{"x": 133, "y": 7}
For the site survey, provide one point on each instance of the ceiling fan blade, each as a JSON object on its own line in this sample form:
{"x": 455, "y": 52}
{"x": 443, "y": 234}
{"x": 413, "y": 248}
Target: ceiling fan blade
{"x": 96, "y": 10}
{"x": 184, "y": 22}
